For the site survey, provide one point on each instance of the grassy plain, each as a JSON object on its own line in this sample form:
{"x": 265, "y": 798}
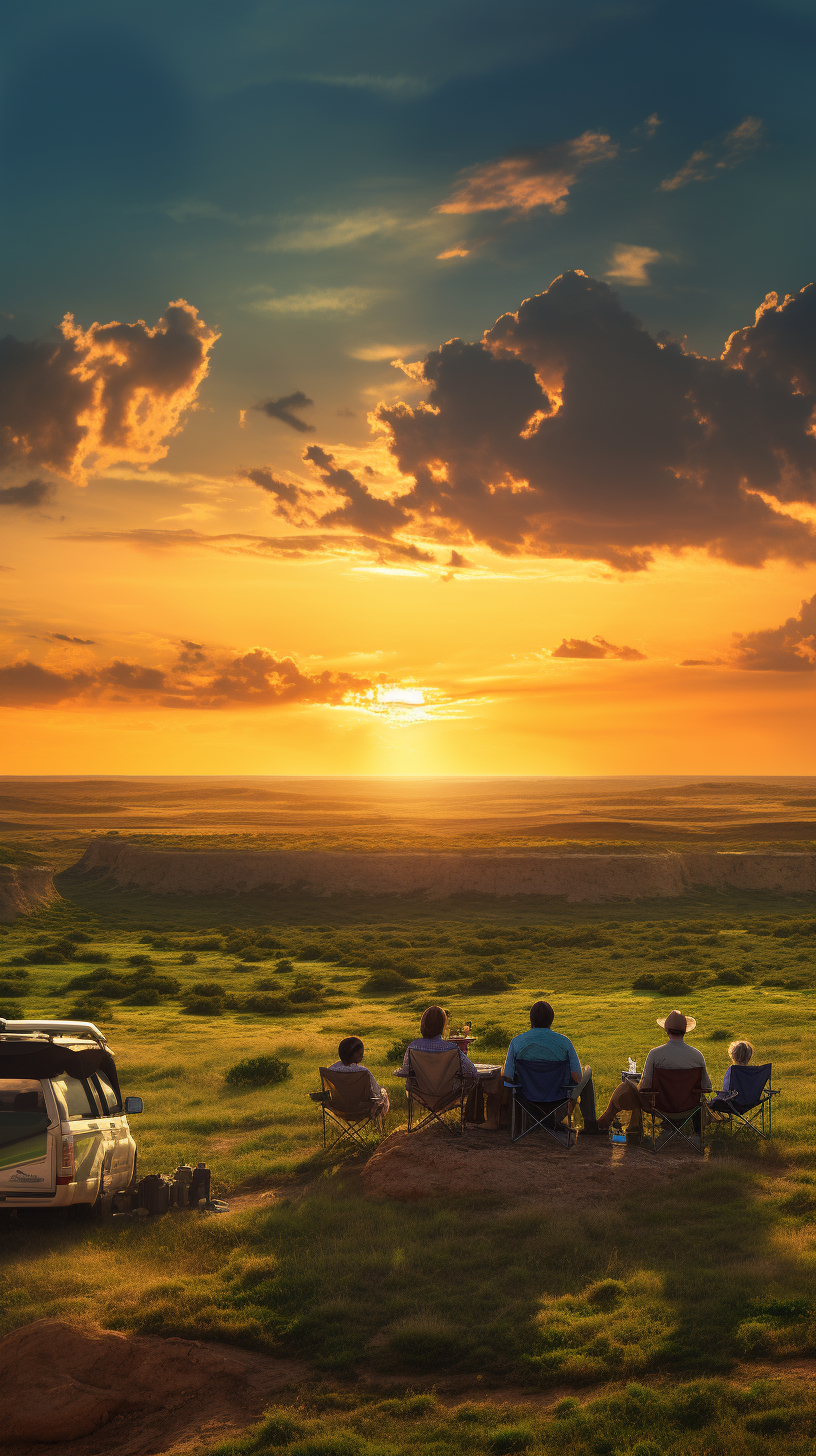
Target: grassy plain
{"x": 680, "y": 1287}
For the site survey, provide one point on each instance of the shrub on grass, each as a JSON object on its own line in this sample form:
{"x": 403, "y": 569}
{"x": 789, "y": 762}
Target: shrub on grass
{"x": 205, "y": 998}
{"x": 210, "y": 942}
{"x": 11, "y": 1011}
{"x": 266, "y": 1005}
{"x": 767, "y": 1423}
{"x": 510, "y": 1438}
{"x": 383, "y": 983}
{"x": 10, "y": 988}
{"x": 147, "y": 996}
{"x": 141, "y": 960}
{"x": 396, "y": 1051}
{"x": 284, "y": 967}
{"x": 306, "y": 992}
{"x": 88, "y": 1009}
{"x": 493, "y": 1034}
{"x": 263, "y": 1071}
{"x": 720, "y": 1035}
{"x": 188, "y": 958}
{"x": 491, "y": 983}
{"x": 732, "y": 977}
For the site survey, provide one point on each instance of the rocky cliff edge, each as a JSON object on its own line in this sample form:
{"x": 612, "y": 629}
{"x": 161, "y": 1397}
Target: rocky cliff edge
{"x": 574, "y": 877}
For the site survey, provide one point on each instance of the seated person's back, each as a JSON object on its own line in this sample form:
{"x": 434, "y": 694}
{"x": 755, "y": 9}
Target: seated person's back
{"x": 351, "y": 1052}
{"x": 432, "y": 1030}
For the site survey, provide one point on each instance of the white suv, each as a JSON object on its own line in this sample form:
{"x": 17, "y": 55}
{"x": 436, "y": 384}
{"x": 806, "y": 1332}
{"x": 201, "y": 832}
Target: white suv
{"x": 64, "y": 1135}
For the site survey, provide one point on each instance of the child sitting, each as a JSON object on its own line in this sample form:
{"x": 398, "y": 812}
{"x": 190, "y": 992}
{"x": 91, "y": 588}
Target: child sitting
{"x": 351, "y": 1052}
{"x": 740, "y": 1053}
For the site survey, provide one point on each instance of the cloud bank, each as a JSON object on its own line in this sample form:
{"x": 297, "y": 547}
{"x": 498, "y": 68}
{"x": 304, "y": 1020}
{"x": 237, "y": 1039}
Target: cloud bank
{"x": 255, "y": 679}
{"x": 789, "y": 648}
{"x": 569, "y": 431}
{"x": 112, "y": 392}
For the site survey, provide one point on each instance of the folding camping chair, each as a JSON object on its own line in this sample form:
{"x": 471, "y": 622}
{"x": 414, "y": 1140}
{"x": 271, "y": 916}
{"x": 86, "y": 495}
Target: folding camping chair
{"x": 751, "y": 1092}
{"x": 435, "y": 1083}
{"x": 676, "y": 1100}
{"x": 540, "y": 1092}
{"x": 346, "y": 1101}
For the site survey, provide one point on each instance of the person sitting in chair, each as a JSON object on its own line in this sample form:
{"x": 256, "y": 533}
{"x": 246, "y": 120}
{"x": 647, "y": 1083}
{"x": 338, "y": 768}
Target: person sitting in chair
{"x": 674, "y": 1055}
{"x": 740, "y": 1053}
{"x": 432, "y": 1030}
{"x": 351, "y": 1052}
{"x": 543, "y": 1044}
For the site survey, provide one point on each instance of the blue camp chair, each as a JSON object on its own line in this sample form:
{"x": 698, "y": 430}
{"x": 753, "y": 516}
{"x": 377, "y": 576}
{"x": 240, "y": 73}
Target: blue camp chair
{"x": 744, "y": 1105}
{"x": 540, "y": 1092}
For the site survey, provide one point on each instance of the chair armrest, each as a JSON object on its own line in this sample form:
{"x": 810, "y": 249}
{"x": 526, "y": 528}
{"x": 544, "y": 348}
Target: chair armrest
{"x": 721, "y": 1096}
{"x": 318, "y": 1096}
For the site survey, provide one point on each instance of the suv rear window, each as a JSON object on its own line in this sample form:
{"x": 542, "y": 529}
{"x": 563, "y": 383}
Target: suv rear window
{"x": 17, "y": 1095}
{"x": 73, "y": 1096}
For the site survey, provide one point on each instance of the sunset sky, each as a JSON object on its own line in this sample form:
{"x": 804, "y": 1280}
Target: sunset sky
{"x": 402, "y": 389}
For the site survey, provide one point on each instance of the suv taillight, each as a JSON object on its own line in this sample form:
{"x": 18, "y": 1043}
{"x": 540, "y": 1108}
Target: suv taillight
{"x": 67, "y": 1167}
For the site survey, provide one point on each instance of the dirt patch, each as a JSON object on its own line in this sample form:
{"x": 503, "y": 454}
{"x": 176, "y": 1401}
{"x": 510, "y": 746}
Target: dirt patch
{"x": 88, "y": 1390}
{"x": 433, "y": 1163}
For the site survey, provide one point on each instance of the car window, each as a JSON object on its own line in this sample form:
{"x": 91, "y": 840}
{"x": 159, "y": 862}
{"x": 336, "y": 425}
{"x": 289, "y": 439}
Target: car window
{"x": 110, "y": 1101}
{"x": 73, "y": 1096}
{"x": 20, "y": 1095}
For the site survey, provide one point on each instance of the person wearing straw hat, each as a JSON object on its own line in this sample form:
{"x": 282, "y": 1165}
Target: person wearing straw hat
{"x": 675, "y": 1054}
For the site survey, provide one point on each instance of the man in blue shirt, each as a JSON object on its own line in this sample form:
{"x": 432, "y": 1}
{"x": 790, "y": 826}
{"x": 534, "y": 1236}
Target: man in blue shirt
{"x": 543, "y": 1044}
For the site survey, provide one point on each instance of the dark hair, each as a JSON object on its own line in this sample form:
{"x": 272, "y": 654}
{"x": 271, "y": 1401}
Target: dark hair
{"x": 350, "y": 1050}
{"x": 433, "y": 1021}
{"x": 541, "y": 1014}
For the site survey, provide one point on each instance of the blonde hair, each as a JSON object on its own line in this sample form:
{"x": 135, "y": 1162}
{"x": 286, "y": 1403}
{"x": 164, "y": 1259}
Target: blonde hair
{"x": 741, "y": 1052}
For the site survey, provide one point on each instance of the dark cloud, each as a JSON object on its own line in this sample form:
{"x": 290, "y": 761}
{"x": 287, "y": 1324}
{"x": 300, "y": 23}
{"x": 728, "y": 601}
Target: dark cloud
{"x": 789, "y": 648}
{"x": 570, "y": 431}
{"x": 112, "y": 392}
{"x": 598, "y": 647}
{"x": 80, "y": 641}
{"x": 701, "y": 662}
{"x": 281, "y": 409}
{"x": 254, "y": 679}
{"x": 459, "y": 561}
{"x": 360, "y": 511}
{"x": 290, "y": 500}
{"x": 26, "y": 497}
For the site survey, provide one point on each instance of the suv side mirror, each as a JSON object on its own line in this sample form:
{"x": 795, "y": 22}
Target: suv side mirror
{"x": 134, "y": 1104}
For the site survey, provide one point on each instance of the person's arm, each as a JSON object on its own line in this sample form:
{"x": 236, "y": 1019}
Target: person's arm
{"x": 706, "y": 1080}
{"x": 468, "y": 1069}
{"x": 404, "y": 1069}
{"x": 726, "y": 1086}
{"x": 645, "y": 1083}
{"x": 576, "y": 1070}
{"x": 510, "y": 1062}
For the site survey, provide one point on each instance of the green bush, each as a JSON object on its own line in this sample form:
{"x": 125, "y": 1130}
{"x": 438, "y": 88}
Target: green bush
{"x": 188, "y": 958}
{"x": 396, "y": 1051}
{"x": 12, "y": 1012}
{"x": 382, "y": 983}
{"x": 427, "y": 1344}
{"x": 10, "y": 988}
{"x": 490, "y": 984}
{"x": 510, "y": 1438}
{"x": 720, "y": 1035}
{"x": 257, "y": 1072}
{"x": 267, "y": 1005}
{"x": 732, "y": 978}
{"x": 767, "y": 1423}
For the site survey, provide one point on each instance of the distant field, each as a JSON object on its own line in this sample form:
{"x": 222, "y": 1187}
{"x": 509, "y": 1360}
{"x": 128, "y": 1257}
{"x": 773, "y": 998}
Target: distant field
{"x": 54, "y": 818}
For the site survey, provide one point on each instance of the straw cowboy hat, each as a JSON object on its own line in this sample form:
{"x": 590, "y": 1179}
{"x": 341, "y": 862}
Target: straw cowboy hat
{"x": 676, "y": 1021}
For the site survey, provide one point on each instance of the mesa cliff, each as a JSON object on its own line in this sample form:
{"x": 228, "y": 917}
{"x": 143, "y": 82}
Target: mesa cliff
{"x": 573, "y": 877}
{"x": 24, "y": 889}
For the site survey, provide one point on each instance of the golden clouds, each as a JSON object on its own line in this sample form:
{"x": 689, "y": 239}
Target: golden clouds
{"x": 526, "y": 180}
{"x": 102, "y": 395}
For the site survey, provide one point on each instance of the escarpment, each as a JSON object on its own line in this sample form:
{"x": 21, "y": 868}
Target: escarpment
{"x": 573, "y": 877}
{"x": 24, "y": 889}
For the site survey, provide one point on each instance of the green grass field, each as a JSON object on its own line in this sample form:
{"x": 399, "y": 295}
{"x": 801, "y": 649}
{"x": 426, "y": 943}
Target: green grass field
{"x": 681, "y": 1287}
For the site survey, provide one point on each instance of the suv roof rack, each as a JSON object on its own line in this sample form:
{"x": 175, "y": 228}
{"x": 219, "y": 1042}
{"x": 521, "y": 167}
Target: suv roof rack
{"x": 78, "y": 1029}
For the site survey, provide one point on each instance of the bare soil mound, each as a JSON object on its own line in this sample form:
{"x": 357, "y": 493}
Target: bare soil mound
{"x": 87, "y": 1390}
{"x": 574, "y": 877}
{"x": 24, "y": 889}
{"x": 432, "y": 1163}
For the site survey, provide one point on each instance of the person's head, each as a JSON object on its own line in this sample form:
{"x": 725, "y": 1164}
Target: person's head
{"x": 741, "y": 1052}
{"x": 541, "y": 1014}
{"x": 676, "y": 1024}
{"x": 350, "y": 1050}
{"x": 433, "y": 1022}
